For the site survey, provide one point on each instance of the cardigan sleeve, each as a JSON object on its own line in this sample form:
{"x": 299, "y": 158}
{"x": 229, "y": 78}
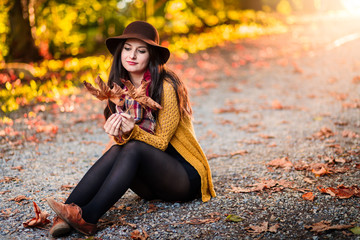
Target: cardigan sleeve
{"x": 166, "y": 125}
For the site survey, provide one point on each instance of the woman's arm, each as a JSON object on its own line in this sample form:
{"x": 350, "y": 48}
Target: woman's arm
{"x": 167, "y": 122}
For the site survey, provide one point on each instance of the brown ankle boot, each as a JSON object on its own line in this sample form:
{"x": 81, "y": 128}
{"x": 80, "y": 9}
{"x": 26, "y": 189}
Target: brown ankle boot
{"x": 72, "y": 214}
{"x": 59, "y": 227}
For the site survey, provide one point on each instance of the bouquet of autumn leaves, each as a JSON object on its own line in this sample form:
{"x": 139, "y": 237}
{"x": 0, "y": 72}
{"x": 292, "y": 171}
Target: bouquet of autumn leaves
{"x": 117, "y": 94}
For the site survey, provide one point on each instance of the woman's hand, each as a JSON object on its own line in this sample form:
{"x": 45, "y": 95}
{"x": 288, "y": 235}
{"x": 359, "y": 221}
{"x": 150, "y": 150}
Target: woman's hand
{"x": 113, "y": 125}
{"x": 127, "y": 124}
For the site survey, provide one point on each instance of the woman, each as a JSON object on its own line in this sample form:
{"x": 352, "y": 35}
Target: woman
{"x": 156, "y": 155}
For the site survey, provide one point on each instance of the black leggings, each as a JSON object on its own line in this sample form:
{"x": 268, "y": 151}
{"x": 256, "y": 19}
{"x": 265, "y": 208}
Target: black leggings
{"x": 148, "y": 171}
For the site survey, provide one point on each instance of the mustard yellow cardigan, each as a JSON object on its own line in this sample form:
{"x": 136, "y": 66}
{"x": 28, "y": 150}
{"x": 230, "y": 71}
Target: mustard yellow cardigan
{"x": 180, "y": 133}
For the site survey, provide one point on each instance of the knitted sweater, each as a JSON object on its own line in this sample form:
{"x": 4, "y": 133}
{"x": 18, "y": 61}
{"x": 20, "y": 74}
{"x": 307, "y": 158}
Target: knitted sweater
{"x": 180, "y": 133}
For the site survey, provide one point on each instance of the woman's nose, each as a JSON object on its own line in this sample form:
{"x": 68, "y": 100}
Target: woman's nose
{"x": 133, "y": 54}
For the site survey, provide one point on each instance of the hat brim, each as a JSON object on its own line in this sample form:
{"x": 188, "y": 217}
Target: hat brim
{"x": 113, "y": 42}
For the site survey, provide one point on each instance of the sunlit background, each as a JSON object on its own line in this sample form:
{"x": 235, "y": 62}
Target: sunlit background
{"x": 49, "y": 47}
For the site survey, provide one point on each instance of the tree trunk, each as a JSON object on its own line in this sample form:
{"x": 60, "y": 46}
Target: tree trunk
{"x": 253, "y": 4}
{"x": 21, "y": 43}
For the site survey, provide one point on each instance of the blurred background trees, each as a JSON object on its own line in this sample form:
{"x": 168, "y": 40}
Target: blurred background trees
{"x": 32, "y": 30}
{"x": 49, "y": 47}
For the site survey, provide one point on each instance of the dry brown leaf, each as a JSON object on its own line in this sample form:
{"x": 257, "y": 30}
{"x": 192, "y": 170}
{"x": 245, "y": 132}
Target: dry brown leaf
{"x": 308, "y": 180}
{"x": 264, "y": 184}
{"x": 239, "y": 152}
{"x": 19, "y": 168}
{"x": 197, "y": 221}
{"x": 9, "y": 179}
{"x": 230, "y": 110}
{"x": 325, "y": 225}
{"x": 323, "y": 133}
{"x": 67, "y": 187}
{"x": 322, "y": 171}
{"x": 341, "y": 191}
{"x": 215, "y": 155}
{"x": 258, "y": 229}
{"x": 116, "y": 94}
{"x": 280, "y": 162}
{"x": 19, "y": 198}
{"x": 263, "y": 227}
{"x": 308, "y": 196}
{"x": 139, "y": 94}
{"x": 264, "y": 136}
{"x": 152, "y": 208}
{"x": 40, "y": 218}
{"x": 274, "y": 228}
{"x": 136, "y": 234}
{"x": 350, "y": 134}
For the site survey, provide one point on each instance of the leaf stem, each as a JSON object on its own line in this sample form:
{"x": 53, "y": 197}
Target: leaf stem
{"x": 109, "y": 106}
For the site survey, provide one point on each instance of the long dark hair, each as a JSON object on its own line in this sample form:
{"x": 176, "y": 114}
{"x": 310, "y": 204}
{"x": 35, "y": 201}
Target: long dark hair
{"x": 158, "y": 72}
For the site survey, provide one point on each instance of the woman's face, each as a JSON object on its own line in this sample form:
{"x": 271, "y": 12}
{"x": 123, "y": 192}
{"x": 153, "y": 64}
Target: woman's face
{"x": 135, "y": 56}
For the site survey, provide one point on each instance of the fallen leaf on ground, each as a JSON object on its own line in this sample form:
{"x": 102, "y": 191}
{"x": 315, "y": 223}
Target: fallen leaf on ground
{"x": 152, "y": 208}
{"x": 350, "y": 134}
{"x": 136, "y": 234}
{"x": 355, "y": 230}
{"x": 19, "y": 198}
{"x": 215, "y": 155}
{"x": 9, "y": 179}
{"x": 356, "y": 79}
{"x": 202, "y": 221}
{"x": 277, "y": 105}
{"x": 280, "y": 162}
{"x": 264, "y": 184}
{"x": 264, "y": 227}
{"x": 308, "y": 196}
{"x": 323, "y": 133}
{"x": 19, "y": 168}
{"x": 40, "y": 218}
{"x": 264, "y": 136}
{"x": 322, "y": 171}
{"x": 341, "y": 191}
{"x": 325, "y": 225}
{"x": 230, "y": 110}
{"x": 67, "y": 187}
{"x": 233, "y": 218}
{"x": 274, "y": 228}
{"x": 308, "y": 180}
{"x": 258, "y": 229}
{"x": 239, "y": 152}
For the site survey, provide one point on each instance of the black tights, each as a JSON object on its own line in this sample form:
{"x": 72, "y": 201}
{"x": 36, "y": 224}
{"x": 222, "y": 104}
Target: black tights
{"x": 148, "y": 171}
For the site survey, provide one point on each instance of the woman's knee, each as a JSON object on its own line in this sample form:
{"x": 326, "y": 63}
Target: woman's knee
{"x": 135, "y": 146}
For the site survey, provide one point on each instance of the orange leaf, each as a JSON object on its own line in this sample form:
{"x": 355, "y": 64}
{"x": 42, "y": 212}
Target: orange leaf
{"x": 39, "y": 219}
{"x": 321, "y": 172}
{"x": 277, "y": 105}
{"x": 280, "y": 162}
{"x": 356, "y": 79}
{"x": 308, "y": 196}
{"x": 341, "y": 191}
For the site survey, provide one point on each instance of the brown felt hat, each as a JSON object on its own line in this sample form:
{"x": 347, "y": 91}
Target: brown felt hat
{"x": 143, "y": 31}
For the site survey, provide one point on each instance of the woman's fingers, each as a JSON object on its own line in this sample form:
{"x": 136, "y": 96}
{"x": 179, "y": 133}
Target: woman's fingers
{"x": 112, "y": 125}
{"x": 127, "y": 124}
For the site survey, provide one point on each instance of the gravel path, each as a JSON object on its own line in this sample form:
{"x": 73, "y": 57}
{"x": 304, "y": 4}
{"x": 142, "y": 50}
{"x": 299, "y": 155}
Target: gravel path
{"x": 261, "y": 99}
